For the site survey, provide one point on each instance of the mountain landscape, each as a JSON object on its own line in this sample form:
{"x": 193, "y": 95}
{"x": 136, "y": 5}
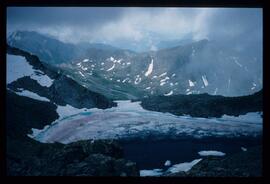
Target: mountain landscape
{"x": 151, "y": 107}
{"x": 127, "y": 74}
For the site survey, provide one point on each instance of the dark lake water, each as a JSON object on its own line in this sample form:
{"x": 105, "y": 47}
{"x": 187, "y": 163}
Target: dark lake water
{"x": 153, "y": 154}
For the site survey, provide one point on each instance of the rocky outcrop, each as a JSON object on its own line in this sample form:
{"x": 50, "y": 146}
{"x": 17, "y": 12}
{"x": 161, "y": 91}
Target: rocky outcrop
{"x": 204, "y": 105}
{"x": 28, "y": 157}
{"x": 243, "y": 164}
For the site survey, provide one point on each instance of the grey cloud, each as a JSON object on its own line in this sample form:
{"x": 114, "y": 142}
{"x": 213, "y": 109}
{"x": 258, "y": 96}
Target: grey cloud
{"x": 140, "y": 25}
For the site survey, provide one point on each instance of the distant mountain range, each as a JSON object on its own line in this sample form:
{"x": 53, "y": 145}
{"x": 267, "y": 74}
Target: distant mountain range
{"x": 187, "y": 67}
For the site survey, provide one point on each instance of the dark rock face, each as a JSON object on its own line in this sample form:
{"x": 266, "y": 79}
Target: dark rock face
{"x": 245, "y": 164}
{"x": 69, "y": 91}
{"x": 64, "y": 90}
{"x": 24, "y": 113}
{"x": 204, "y": 105}
{"x": 242, "y": 164}
{"x": 28, "y": 157}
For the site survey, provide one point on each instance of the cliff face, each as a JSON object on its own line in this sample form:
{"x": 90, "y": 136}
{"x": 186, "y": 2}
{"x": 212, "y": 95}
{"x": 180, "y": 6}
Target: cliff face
{"x": 243, "y": 164}
{"x": 26, "y": 156}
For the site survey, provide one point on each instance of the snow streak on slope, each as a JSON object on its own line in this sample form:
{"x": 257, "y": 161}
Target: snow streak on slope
{"x": 130, "y": 120}
{"x": 32, "y": 95}
{"x": 163, "y": 74}
{"x": 150, "y": 68}
{"x": 111, "y": 67}
{"x": 205, "y": 82}
{"x": 168, "y": 94}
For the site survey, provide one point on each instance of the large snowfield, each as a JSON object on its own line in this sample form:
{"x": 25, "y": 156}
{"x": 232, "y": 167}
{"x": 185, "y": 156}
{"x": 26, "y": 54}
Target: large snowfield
{"x": 130, "y": 120}
{"x": 18, "y": 67}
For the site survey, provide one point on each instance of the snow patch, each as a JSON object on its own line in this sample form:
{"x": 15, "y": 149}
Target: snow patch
{"x": 83, "y": 68}
{"x": 111, "y": 59}
{"x": 154, "y": 172}
{"x": 150, "y": 68}
{"x": 163, "y": 74}
{"x": 68, "y": 110}
{"x": 182, "y": 167}
{"x": 243, "y": 149}
{"x": 254, "y": 86}
{"x": 81, "y": 74}
{"x": 165, "y": 79}
{"x": 125, "y": 80}
{"x": 191, "y": 84}
{"x": 32, "y": 95}
{"x": 42, "y": 79}
{"x": 236, "y": 62}
{"x": 111, "y": 67}
{"x": 168, "y": 94}
{"x": 137, "y": 80}
{"x": 211, "y": 153}
{"x": 167, "y": 163}
{"x": 18, "y": 67}
{"x": 215, "y": 92}
{"x": 205, "y": 82}
{"x": 186, "y": 166}
{"x": 162, "y": 83}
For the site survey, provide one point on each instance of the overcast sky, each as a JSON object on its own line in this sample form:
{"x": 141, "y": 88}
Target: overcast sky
{"x": 138, "y": 25}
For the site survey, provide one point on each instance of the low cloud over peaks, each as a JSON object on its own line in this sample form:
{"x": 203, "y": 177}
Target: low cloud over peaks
{"x": 126, "y": 26}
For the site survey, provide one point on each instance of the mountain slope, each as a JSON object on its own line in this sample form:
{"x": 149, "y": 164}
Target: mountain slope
{"x": 37, "y": 95}
{"x": 48, "y": 82}
{"x": 46, "y": 48}
{"x": 193, "y": 67}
